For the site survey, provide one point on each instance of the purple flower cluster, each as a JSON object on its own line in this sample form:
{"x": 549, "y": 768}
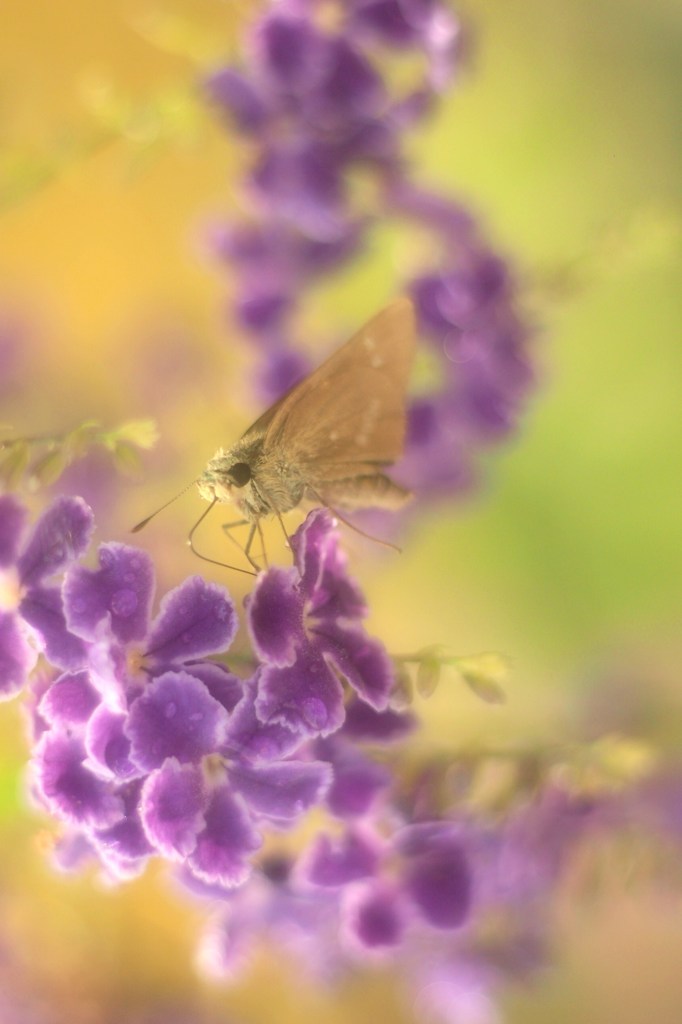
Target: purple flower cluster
{"x": 314, "y": 100}
{"x": 385, "y": 886}
{"x": 145, "y": 746}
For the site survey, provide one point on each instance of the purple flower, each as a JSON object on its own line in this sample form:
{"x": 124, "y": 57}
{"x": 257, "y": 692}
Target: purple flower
{"x": 374, "y": 918}
{"x": 177, "y": 717}
{"x": 70, "y": 700}
{"x": 146, "y": 748}
{"x": 336, "y": 862}
{"x": 359, "y": 781}
{"x": 364, "y": 724}
{"x": 535, "y": 843}
{"x": 73, "y": 792}
{"x": 31, "y": 615}
{"x": 467, "y": 312}
{"x": 305, "y": 624}
{"x": 109, "y": 609}
{"x": 252, "y": 740}
{"x": 437, "y": 874}
{"x": 208, "y": 818}
{"x": 123, "y": 847}
{"x": 302, "y": 923}
{"x": 314, "y": 101}
{"x": 301, "y": 181}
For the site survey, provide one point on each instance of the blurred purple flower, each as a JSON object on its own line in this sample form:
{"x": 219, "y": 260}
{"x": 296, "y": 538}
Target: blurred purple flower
{"x": 314, "y": 101}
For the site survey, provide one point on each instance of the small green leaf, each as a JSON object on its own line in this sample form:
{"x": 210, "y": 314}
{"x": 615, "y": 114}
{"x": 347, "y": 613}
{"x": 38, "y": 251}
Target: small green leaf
{"x": 142, "y": 433}
{"x": 484, "y": 675}
{"x": 13, "y": 462}
{"x": 402, "y": 694}
{"x": 49, "y": 467}
{"x": 78, "y": 440}
{"x": 127, "y": 457}
{"x": 428, "y": 675}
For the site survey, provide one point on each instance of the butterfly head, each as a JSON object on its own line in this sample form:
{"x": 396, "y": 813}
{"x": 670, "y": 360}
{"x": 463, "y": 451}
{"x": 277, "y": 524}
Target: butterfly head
{"x": 224, "y": 473}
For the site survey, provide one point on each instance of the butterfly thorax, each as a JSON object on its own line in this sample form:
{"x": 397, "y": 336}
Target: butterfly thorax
{"x": 258, "y": 482}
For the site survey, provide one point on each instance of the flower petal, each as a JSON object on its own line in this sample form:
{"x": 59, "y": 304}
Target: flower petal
{"x": 305, "y": 697}
{"x": 290, "y": 52}
{"x": 351, "y": 92}
{"x": 17, "y": 657}
{"x": 124, "y": 847}
{"x": 247, "y": 737}
{"x": 275, "y": 612}
{"x": 303, "y": 181}
{"x": 12, "y": 520}
{"x": 336, "y": 861}
{"x": 364, "y": 724}
{"x": 172, "y": 808}
{"x": 440, "y": 885}
{"x": 226, "y": 843}
{"x": 197, "y": 618}
{"x": 236, "y": 94}
{"x": 72, "y": 851}
{"x": 42, "y": 609}
{"x": 72, "y": 792}
{"x": 70, "y": 700}
{"x": 309, "y": 545}
{"x": 360, "y": 659}
{"x": 121, "y": 589}
{"x": 108, "y": 746}
{"x": 175, "y": 717}
{"x": 357, "y": 780}
{"x": 223, "y": 686}
{"x": 329, "y": 592}
{"x": 61, "y": 534}
{"x": 284, "y": 791}
{"x": 373, "y": 917}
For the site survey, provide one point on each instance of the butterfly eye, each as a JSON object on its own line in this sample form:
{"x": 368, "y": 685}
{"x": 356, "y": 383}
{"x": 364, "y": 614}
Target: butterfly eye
{"x": 240, "y": 474}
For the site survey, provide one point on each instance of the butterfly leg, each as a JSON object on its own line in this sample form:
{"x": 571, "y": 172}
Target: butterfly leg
{"x": 227, "y": 527}
{"x": 284, "y": 530}
{"x": 190, "y": 542}
{"x": 237, "y": 522}
{"x": 249, "y": 542}
{"x": 262, "y": 543}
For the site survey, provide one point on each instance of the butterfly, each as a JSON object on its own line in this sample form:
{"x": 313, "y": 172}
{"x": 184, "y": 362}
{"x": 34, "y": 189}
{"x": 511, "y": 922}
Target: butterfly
{"x": 329, "y": 439}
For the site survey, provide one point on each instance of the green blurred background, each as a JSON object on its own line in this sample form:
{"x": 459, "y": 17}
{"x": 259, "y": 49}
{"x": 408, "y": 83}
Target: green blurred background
{"x": 565, "y": 137}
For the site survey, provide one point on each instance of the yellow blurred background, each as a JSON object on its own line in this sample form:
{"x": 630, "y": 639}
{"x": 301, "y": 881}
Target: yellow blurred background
{"x": 564, "y": 137}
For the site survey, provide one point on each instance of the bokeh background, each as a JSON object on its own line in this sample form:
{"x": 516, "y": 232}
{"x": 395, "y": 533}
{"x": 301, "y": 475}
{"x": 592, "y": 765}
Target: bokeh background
{"x": 564, "y": 137}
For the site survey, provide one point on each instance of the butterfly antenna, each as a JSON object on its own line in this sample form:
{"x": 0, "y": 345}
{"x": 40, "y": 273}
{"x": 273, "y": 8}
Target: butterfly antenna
{"x": 141, "y": 525}
{"x": 352, "y": 526}
{"x": 204, "y": 558}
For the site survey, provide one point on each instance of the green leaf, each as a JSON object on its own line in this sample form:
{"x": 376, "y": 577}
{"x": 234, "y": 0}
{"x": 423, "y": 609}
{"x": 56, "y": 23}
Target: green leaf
{"x": 143, "y": 433}
{"x": 78, "y": 440}
{"x": 13, "y": 463}
{"x": 428, "y": 675}
{"x": 402, "y": 694}
{"x": 127, "y": 458}
{"x": 484, "y": 675}
{"x": 47, "y": 469}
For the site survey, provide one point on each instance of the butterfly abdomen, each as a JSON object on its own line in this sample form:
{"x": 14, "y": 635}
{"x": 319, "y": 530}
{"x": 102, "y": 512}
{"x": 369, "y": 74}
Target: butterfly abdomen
{"x": 370, "y": 491}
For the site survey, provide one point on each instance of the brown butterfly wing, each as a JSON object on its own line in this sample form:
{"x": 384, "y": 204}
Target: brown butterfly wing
{"x": 348, "y": 416}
